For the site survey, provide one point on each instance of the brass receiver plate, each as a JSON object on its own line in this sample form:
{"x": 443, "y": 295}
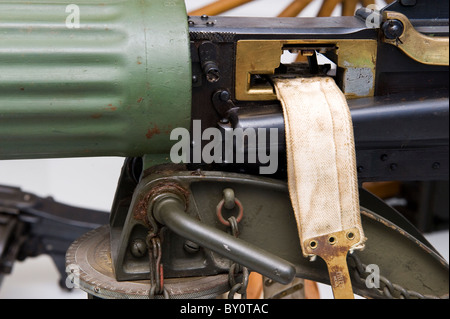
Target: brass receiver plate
{"x": 356, "y": 60}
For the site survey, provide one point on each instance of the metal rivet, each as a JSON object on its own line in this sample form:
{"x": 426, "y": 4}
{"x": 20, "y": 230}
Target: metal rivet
{"x": 313, "y": 244}
{"x": 393, "y": 166}
{"x": 204, "y": 17}
{"x": 436, "y": 165}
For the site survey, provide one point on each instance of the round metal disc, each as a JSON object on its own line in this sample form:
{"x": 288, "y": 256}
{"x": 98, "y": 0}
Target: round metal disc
{"x": 88, "y": 263}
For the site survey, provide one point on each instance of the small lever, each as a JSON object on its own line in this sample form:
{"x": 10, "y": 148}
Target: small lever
{"x": 169, "y": 210}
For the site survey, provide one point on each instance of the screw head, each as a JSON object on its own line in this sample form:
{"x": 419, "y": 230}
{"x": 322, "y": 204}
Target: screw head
{"x": 138, "y": 248}
{"x": 393, "y": 166}
{"x": 436, "y": 165}
{"x": 191, "y": 247}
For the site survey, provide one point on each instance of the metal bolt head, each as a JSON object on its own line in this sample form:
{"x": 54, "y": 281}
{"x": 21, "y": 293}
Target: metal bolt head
{"x": 212, "y": 74}
{"x": 138, "y": 248}
{"x": 393, "y": 29}
{"x": 191, "y": 247}
{"x": 224, "y": 95}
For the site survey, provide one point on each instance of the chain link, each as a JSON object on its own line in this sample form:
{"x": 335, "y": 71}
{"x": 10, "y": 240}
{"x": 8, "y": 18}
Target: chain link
{"x": 156, "y": 268}
{"x": 236, "y": 269}
{"x": 238, "y": 287}
{"x": 387, "y": 288}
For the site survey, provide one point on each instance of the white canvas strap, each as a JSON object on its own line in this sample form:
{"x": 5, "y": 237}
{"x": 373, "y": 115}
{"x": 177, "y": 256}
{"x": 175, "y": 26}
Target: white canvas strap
{"x": 322, "y": 177}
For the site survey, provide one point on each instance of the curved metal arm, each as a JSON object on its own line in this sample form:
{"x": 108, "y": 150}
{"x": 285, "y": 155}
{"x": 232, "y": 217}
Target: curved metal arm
{"x": 169, "y": 211}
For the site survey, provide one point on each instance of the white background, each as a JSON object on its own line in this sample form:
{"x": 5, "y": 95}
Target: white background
{"x": 91, "y": 183}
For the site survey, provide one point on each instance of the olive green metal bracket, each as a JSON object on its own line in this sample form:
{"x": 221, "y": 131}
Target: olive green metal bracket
{"x": 401, "y": 253}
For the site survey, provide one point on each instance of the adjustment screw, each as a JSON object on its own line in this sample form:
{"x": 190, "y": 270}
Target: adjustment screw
{"x": 138, "y": 248}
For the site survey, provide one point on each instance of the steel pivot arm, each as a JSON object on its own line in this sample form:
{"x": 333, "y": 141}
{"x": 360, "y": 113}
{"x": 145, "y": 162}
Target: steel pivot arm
{"x": 169, "y": 211}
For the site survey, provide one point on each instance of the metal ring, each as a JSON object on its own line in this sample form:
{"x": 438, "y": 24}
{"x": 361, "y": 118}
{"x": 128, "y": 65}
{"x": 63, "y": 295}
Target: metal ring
{"x": 219, "y": 212}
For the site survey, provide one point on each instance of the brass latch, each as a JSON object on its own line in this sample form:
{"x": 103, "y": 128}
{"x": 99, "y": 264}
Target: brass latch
{"x": 399, "y": 31}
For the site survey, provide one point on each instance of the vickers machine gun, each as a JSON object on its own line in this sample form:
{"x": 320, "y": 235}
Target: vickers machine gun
{"x": 144, "y": 81}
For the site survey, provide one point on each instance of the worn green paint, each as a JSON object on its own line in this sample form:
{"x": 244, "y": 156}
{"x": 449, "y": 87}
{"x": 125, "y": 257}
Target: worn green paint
{"x": 116, "y": 86}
